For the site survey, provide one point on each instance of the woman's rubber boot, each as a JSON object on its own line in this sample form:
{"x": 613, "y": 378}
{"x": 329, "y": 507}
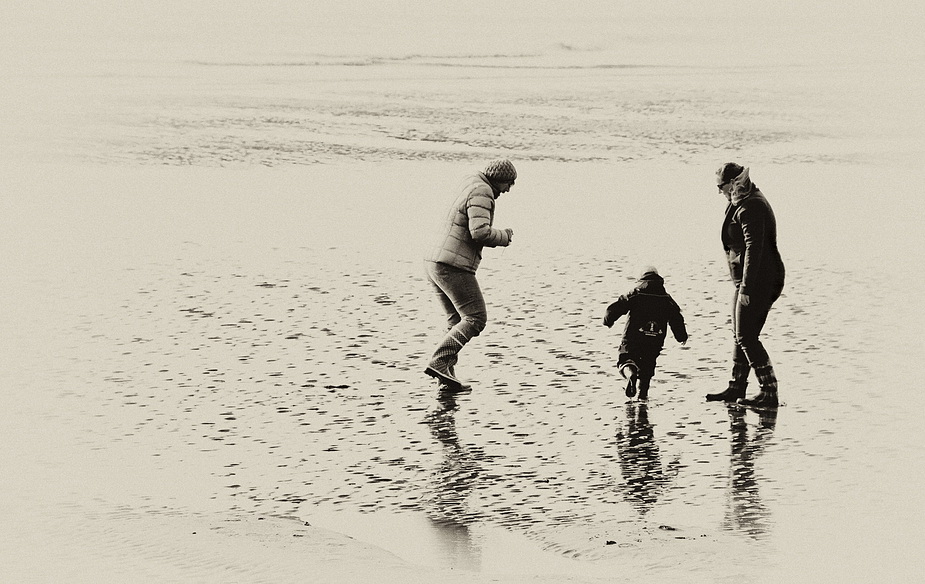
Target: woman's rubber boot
{"x": 730, "y": 394}
{"x": 767, "y": 396}
{"x": 737, "y": 384}
{"x": 766, "y": 399}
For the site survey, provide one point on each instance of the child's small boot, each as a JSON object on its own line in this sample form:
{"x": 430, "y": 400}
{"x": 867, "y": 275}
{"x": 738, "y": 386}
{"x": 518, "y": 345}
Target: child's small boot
{"x": 631, "y": 386}
{"x": 629, "y": 372}
{"x": 643, "y": 389}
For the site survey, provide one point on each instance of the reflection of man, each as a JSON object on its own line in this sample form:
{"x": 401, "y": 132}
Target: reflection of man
{"x": 452, "y": 483}
{"x": 640, "y": 461}
{"x": 745, "y": 512}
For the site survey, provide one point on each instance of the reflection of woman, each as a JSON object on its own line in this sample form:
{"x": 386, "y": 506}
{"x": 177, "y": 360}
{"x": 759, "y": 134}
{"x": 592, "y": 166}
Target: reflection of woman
{"x": 640, "y": 461}
{"x": 746, "y": 513}
{"x": 750, "y": 240}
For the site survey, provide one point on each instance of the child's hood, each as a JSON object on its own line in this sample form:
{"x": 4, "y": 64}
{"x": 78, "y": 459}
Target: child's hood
{"x": 651, "y": 283}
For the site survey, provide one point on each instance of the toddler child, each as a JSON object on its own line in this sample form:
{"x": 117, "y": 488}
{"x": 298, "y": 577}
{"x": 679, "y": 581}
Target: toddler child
{"x": 650, "y": 311}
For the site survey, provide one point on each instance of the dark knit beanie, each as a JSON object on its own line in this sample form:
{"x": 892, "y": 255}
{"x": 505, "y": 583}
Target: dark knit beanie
{"x": 727, "y": 172}
{"x": 500, "y": 170}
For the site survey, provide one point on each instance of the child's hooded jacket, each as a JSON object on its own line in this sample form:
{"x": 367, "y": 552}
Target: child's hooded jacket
{"x": 651, "y": 310}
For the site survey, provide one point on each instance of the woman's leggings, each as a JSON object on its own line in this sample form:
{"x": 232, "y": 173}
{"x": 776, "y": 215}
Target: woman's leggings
{"x": 748, "y": 352}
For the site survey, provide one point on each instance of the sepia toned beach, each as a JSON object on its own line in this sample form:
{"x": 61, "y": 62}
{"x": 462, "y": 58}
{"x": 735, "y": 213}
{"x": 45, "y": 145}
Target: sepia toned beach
{"x": 215, "y": 317}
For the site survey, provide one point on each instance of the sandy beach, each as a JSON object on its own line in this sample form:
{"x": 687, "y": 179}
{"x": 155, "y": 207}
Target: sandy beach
{"x": 215, "y": 317}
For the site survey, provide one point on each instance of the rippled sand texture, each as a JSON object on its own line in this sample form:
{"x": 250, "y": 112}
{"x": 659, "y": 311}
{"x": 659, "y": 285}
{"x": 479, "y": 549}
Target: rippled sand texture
{"x": 465, "y": 108}
{"x": 215, "y": 320}
{"x": 233, "y": 369}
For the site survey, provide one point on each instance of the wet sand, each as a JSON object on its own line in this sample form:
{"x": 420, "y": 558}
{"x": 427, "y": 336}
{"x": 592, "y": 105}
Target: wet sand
{"x": 236, "y": 371}
{"x": 216, "y": 321}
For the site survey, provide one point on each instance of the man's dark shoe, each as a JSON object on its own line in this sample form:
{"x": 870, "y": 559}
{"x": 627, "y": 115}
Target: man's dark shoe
{"x": 764, "y": 399}
{"x": 461, "y": 388}
{"x": 731, "y": 394}
{"x": 444, "y": 378}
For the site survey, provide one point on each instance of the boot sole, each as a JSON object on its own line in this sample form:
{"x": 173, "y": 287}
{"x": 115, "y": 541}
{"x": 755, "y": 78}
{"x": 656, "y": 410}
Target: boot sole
{"x": 721, "y": 398}
{"x": 446, "y": 389}
{"x": 754, "y": 406}
{"x": 450, "y": 382}
{"x": 630, "y": 388}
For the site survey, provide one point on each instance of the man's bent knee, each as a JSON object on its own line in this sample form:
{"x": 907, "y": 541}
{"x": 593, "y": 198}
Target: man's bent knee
{"x": 475, "y": 324}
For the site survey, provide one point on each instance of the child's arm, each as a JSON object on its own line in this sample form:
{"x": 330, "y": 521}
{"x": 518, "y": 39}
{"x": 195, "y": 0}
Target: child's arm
{"x": 616, "y": 310}
{"x": 676, "y": 322}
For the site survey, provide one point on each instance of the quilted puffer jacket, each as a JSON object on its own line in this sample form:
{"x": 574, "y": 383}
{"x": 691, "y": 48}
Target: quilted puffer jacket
{"x": 467, "y": 228}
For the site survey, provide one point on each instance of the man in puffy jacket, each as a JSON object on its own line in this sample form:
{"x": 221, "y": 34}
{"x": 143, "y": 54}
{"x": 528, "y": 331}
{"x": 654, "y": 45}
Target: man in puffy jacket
{"x": 455, "y": 258}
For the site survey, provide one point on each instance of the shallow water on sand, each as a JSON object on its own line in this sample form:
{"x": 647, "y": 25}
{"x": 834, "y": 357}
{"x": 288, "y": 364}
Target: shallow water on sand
{"x": 228, "y": 284}
{"x": 290, "y": 377}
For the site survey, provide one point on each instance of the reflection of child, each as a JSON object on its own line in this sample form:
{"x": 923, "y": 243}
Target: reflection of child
{"x": 645, "y": 478}
{"x": 650, "y": 311}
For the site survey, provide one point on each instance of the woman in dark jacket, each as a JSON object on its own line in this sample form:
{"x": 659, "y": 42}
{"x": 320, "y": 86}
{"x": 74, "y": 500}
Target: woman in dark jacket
{"x": 750, "y": 241}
